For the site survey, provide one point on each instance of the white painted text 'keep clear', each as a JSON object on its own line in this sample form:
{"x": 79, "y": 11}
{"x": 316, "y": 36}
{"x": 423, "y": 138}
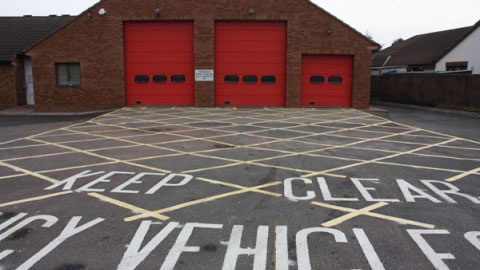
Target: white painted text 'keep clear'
{"x": 438, "y": 191}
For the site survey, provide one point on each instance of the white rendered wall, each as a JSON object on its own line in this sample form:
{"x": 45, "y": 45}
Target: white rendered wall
{"x": 467, "y": 50}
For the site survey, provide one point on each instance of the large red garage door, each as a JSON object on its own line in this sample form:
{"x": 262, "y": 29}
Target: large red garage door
{"x": 250, "y": 63}
{"x": 327, "y": 80}
{"x": 159, "y": 59}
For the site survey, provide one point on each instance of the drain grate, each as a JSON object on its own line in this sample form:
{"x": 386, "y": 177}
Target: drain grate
{"x": 224, "y": 146}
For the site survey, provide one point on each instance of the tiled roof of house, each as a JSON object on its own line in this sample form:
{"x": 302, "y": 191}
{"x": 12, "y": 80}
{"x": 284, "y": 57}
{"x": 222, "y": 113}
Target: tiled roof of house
{"x": 20, "y": 33}
{"x": 422, "y": 50}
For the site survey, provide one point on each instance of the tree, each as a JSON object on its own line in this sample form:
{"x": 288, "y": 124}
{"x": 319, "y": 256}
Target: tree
{"x": 397, "y": 41}
{"x": 369, "y": 36}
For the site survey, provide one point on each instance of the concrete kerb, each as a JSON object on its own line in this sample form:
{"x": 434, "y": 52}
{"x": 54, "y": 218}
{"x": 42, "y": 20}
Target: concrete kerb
{"x": 423, "y": 108}
{"x": 30, "y": 111}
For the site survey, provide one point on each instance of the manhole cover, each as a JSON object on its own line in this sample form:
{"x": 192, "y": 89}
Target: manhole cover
{"x": 224, "y": 146}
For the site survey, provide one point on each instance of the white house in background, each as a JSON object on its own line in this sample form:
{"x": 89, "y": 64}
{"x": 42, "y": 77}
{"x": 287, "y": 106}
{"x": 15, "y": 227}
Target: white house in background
{"x": 450, "y": 51}
{"x": 464, "y": 56}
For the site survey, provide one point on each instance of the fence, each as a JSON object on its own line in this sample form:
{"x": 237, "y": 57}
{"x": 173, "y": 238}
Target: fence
{"x": 446, "y": 91}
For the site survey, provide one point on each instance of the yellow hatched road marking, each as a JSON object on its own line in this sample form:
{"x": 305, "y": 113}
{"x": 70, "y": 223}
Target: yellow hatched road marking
{"x": 12, "y": 176}
{"x": 216, "y": 182}
{"x": 128, "y": 206}
{"x": 201, "y": 201}
{"x": 375, "y": 215}
{"x": 38, "y": 156}
{"x": 462, "y": 175}
{"x": 36, "y": 198}
{"x": 103, "y": 157}
{"x": 353, "y": 214}
{"x": 379, "y": 159}
{"x": 27, "y": 172}
{"x": 232, "y": 133}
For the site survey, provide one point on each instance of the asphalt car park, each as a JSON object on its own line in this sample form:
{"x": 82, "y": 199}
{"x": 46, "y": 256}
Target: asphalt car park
{"x": 239, "y": 188}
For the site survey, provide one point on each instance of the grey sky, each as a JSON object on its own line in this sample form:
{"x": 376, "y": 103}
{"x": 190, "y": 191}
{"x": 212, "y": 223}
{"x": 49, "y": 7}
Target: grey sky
{"x": 385, "y": 20}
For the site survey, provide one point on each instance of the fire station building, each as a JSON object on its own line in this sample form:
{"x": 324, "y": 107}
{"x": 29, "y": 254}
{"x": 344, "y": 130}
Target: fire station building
{"x": 285, "y": 53}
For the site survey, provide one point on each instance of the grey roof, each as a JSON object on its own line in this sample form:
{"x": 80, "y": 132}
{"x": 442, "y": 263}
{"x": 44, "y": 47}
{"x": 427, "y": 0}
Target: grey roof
{"x": 17, "y": 34}
{"x": 422, "y": 50}
{"x": 379, "y": 60}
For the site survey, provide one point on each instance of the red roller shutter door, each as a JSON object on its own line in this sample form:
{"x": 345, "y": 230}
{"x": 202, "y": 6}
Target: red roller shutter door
{"x": 159, "y": 63}
{"x": 250, "y": 63}
{"x": 327, "y": 80}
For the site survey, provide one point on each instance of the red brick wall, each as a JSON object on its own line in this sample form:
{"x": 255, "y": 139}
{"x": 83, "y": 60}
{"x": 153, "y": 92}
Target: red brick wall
{"x": 20, "y": 83}
{"x": 97, "y": 43}
{"x": 11, "y": 84}
{"x": 7, "y": 86}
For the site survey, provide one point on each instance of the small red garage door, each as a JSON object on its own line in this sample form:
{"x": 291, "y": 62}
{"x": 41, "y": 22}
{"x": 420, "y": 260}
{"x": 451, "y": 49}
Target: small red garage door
{"x": 327, "y": 80}
{"x": 159, "y": 63}
{"x": 250, "y": 63}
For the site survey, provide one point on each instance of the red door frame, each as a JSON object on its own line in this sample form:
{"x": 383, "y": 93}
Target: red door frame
{"x": 326, "y": 93}
{"x": 237, "y": 99}
{"x": 147, "y": 93}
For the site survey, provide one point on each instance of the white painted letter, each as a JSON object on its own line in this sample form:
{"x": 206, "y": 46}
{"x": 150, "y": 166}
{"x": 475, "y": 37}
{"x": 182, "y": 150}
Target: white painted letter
{"x": 303, "y": 254}
{"x": 368, "y": 250}
{"x": 181, "y": 244}
{"x": 288, "y": 191}
{"x": 104, "y": 179}
{"x": 364, "y": 190}
{"x": 406, "y": 189}
{"x": 134, "y": 255}
{"x": 70, "y": 230}
{"x": 473, "y": 238}
{"x": 49, "y": 222}
{"x": 133, "y": 180}
{"x": 435, "y": 258}
{"x": 12, "y": 220}
{"x": 327, "y": 196}
{"x": 234, "y": 250}
{"x": 281, "y": 248}
{"x": 71, "y": 180}
{"x": 453, "y": 190}
{"x": 166, "y": 182}
{"x": 5, "y": 253}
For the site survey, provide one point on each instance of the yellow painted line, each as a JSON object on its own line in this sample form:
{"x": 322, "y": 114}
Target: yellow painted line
{"x": 363, "y": 211}
{"x": 417, "y": 166}
{"x": 201, "y": 201}
{"x": 112, "y": 148}
{"x": 376, "y": 215}
{"x": 22, "y": 146}
{"x": 228, "y": 165}
{"x": 13, "y": 176}
{"x": 38, "y": 134}
{"x": 274, "y": 194}
{"x": 402, "y": 220}
{"x": 56, "y": 135}
{"x": 11, "y": 141}
{"x": 36, "y": 198}
{"x": 211, "y": 168}
{"x": 379, "y": 159}
{"x": 446, "y": 157}
{"x": 34, "y": 174}
{"x": 39, "y": 156}
{"x": 253, "y": 123}
{"x": 104, "y": 157}
{"x": 329, "y": 148}
{"x": 128, "y": 206}
{"x": 409, "y": 135}
{"x": 77, "y": 167}
{"x": 460, "y": 176}
{"x": 430, "y": 131}
{"x": 460, "y": 148}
